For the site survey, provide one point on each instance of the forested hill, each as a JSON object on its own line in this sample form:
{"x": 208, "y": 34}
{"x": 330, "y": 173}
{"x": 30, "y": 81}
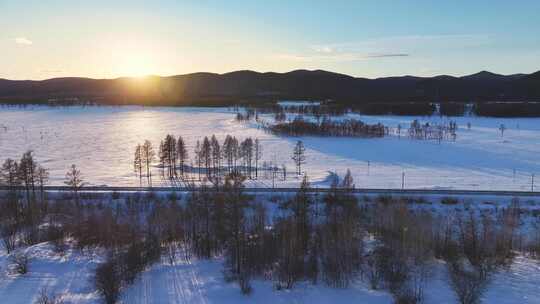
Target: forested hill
{"x": 229, "y": 88}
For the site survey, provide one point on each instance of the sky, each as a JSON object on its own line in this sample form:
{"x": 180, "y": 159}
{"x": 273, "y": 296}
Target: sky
{"x": 42, "y": 39}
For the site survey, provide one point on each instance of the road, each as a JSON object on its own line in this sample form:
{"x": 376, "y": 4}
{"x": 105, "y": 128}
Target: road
{"x": 441, "y": 192}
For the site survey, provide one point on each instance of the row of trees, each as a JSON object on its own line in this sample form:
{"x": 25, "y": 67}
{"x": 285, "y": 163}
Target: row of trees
{"x": 25, "y": 203}
{"x": 143, "y": 160}
{"x": 212, "y": 159}
{"x": 327, "y": 127}
{"x": 490, "y": 109}
{"x": 427, "y": 131}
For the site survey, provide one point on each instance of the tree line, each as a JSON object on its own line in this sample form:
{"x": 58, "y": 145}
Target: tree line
{"x": 427, "y": 131}
{"x": 327, "y": 127}
{"x": 212, "y": 160}
{"x": 337, "y": 108}
{"x": 25, "y": 202}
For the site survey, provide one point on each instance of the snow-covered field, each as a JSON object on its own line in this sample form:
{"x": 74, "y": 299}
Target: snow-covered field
{"x": 101, "y": 141}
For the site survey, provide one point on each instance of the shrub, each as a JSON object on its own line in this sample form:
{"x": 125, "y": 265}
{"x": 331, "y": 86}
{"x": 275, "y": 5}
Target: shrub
{"x": 469, "y": 283}
{"x": 449, "y": 200}
{"x": 244, "y": 282}
{"x": 20, "y": 263}
{"x": 45, "y": 298}
{"x": 108, "y": 280}
{"x": 8, "y": 232}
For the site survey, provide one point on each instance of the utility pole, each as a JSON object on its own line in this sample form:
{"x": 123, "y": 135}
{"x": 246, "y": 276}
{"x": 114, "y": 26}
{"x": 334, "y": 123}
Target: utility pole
{"x": 273, "y": 178}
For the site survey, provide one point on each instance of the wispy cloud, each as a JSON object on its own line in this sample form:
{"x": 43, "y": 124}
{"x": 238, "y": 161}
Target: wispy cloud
{"x": 336, "y": 57}
{"x": 387, "y": 55}
{"x": 385, "y": 47}
{"x": 407, "y": 43}
{"x": 23, "y": 41}
{"x": 49, "y": 71}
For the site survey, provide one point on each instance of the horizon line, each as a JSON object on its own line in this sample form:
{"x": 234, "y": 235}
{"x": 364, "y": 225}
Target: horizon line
{"x": 267, "y": 72}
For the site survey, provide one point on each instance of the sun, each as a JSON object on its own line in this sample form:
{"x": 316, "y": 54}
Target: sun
{"x": 136, "y": 65}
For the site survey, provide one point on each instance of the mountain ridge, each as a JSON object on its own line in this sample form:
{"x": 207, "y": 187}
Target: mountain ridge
{"x": 246, "y": 85}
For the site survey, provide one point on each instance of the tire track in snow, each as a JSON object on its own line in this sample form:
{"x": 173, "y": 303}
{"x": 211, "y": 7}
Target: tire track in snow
{"x": 186, "y": 283}
{"x": 178, "y": 294}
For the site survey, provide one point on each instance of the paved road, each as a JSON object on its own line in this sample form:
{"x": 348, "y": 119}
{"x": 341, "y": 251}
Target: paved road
{"x": 292, "y": 190}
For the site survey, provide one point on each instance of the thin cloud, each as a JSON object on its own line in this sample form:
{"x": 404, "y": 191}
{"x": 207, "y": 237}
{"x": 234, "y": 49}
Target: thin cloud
{"x": 48, "y": 71}
{"x": 386, "y": 47}
{"x": 406, "y": 44}
{"x": 387, "y": 55}
{"x": 337, "y": 57}
{"x": 23, "y": 41}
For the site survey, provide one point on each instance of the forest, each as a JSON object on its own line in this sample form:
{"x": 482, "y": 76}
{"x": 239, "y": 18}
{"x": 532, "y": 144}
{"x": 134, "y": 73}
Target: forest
{"x": 338, "y": 108}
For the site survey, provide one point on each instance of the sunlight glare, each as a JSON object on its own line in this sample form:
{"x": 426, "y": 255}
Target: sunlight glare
{"x": 137, "y": 65}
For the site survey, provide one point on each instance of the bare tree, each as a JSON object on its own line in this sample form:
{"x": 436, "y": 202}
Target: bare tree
{"x": 216, "y": 155}
{"x": 27, "y": 173}
{"x": 299, "y": 156}
{"x": 20, "y": 262}
{"x": 230, "y": 151}
{"x": 206, "y": 155}
{"x": 138, "y": 162}
{"x": 8, "y": 173}
{"x": 42, "y": 179}
{"x": 502, "y": 128}
{"x": 246, "y": 152}
{"x": 258, "y": 156}
{"x": 198, "y": 157}
{"x": 46, "y": 298}
{"x": 108, "y": 281}
{"x": 74, "y": 180}
{"x": 348, "y": 182}
{"x": 148, "y": 157}
{"x": 8, "y": 232}
{"x": 167, "y": 156}
{"x": 468, "y": 282}
{"x": 182, "y": 154}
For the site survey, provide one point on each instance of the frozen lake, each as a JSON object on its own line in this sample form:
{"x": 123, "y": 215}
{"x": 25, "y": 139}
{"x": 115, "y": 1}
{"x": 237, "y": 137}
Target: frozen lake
{"x": 101, "y": 142}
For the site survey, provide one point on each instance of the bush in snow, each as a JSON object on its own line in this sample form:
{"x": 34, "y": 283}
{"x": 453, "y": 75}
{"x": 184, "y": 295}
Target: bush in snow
{"x": 468, "y": 282}
{"x": 8, "y": 232}
{"x": 45, "y": 298}
{"x": 20, "y": 263}
{"x": 449, "y": 200}
{"x": 108, "y": 280}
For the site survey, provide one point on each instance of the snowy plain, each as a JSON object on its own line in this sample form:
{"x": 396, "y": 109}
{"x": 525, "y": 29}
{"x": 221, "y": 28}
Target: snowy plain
{"x": 101, "y": 141}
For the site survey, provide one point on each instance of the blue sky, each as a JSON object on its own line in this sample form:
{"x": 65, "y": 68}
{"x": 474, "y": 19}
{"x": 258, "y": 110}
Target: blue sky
{"x": 104, "y": 39}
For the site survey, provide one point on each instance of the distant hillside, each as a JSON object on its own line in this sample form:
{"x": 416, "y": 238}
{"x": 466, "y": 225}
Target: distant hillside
{"x": 249, "y": 86}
